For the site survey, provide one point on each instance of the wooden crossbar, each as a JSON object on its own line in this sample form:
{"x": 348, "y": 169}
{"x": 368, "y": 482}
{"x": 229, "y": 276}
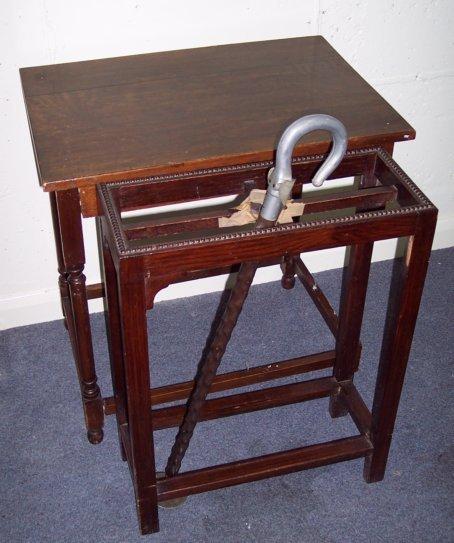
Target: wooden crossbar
{"x": 246, "y": 402}
{"x": 136, "y": 228}
{"x": 96, "y": 290}
{"x": 199, "y": 219}
{"x": 254, "y": 469}
{"x": 370, "y": 198}
{"x": 240, "y": 378}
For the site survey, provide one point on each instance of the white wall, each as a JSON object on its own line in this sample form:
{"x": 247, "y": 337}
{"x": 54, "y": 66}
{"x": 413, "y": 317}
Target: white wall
{"x": 404, "y": 48}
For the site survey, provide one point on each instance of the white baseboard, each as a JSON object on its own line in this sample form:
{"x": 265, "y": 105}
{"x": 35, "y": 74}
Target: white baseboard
{"x": 44, "y": 305}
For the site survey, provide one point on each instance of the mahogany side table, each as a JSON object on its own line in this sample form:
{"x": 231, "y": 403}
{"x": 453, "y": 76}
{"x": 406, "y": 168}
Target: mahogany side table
{"x": 165, "y": 115}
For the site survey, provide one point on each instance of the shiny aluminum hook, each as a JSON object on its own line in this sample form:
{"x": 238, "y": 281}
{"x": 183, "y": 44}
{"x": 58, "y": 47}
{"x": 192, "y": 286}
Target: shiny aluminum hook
{"x": 280, "y": 180}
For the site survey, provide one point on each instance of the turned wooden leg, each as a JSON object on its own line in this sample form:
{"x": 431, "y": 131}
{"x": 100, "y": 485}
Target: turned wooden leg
{"x": 62, "y": 276}
{"x": 288, "y": 272}
{"x": 353, "y": 296}
{"x": 132, "y": 300}
{"x": 405, "y": 296}
{"x": 70, "y": 250}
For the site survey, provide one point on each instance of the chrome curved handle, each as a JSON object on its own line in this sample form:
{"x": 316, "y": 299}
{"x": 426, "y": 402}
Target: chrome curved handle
{"x": 280, "y": 180}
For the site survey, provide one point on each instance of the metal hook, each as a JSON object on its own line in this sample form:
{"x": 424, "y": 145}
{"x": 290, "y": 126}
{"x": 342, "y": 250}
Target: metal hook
{"x": 280, "y": 180}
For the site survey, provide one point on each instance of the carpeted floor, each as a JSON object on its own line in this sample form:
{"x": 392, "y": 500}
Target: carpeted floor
{"x": 57, "y": 487}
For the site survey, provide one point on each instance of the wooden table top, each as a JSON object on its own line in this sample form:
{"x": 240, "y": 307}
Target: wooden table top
{"x": 177, "y": 111}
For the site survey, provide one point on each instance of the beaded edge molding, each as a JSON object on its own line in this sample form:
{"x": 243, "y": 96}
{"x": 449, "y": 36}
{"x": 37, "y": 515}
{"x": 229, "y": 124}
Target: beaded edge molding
{"x": 113, "y": 218}
{"x": 122, "y": 243}
{"x": 227, "y": 169}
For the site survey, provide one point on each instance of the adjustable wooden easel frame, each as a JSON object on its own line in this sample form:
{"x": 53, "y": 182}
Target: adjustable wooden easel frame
{"x": 142, "y": 257}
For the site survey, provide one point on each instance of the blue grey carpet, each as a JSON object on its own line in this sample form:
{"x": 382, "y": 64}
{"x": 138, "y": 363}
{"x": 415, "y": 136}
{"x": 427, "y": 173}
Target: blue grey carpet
{"x": 57, "y": 487}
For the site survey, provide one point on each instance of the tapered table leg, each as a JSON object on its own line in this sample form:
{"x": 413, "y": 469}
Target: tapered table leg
{"x": 351, "y": 309}
{"x": 71, "y": 256}
{"x": 353, "y": 297}
{"x": 405, "y": 296}
{"x": 137, "y": 381}
{"x": 113, "y": 327}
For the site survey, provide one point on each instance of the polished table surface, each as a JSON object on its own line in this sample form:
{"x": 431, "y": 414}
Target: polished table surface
{"x": 128, "y": 117}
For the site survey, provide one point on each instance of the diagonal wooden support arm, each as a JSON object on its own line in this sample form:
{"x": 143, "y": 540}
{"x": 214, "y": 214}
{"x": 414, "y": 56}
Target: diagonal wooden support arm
{"x": 210, "y": 364}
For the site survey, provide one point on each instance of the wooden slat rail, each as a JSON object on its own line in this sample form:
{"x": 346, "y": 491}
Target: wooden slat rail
{"x": 246, "y": 402}
{"x": 96, "y": 290}
{"x": 254, "y": 469}
{"x": 366, "y": 199}
{"x": 161, "y": 226}
{"x": 239, "y": 378}
{"x": 216, "y": 184}
{"x": 358, "y": 410}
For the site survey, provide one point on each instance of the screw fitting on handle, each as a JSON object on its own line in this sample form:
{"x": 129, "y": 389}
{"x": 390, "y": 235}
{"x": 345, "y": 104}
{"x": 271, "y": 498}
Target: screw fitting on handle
{"x": 280, "y": 179}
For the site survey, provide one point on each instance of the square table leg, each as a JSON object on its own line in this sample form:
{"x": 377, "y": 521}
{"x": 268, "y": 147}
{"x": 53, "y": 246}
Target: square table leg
{"x": 132, "y": 301}
{"x": 114, "y": 341}
{"x": 353, "y": 297}
{"x": 351, "y": 308}
{"x": 405, "y": 296}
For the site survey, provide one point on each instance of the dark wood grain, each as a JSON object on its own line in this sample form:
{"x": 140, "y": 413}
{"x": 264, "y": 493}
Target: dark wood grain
{"x": 353, "y": 296}
{"x": 233, "y": 246}
{"x": 288, "y": 271}
{"x": 365, "y": 199}
{"x": 355, "y": 405}
{"x": 246, "y": 402}
{"x": 115, "y": 344}
{"x": 236, "y": 379}
{"x": 154, "y": 265}
{"x": 178, "y": 111}
{"x": 62, "y": 274}
{"x": 222, "y": 181}
{"x": 272, "y": 244}
{"x": 271, "y": 465}
{"x": 133, "y": 365}
{"x": 352, "y": 301}
{"x": 96, "y": 290}
{"x": 183, "y": 222}
{"x": 212, "y": 358}
{"x": 405, "y": 296}
{"x": 318, "y": 297}
{"x": 71, "y": 259}
{"x": 198, "y": 124}
{"x": 250, "y": 376}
